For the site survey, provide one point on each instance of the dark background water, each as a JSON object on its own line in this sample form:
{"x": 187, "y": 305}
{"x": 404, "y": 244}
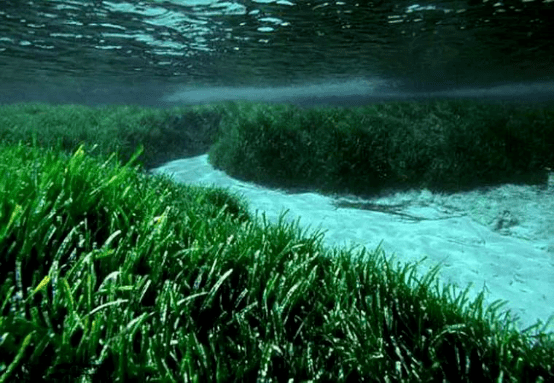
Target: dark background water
{"x": 351, "y": 51}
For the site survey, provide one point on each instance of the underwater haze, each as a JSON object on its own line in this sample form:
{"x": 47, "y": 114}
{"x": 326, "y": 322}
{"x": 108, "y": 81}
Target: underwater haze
{"x": 306, "y": 52}
{"x": 259, "y": 255}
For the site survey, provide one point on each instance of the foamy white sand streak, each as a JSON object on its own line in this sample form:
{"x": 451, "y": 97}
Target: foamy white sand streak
{"x": 501, "y": 239}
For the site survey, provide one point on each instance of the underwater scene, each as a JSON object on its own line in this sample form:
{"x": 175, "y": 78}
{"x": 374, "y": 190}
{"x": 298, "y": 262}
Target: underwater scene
{"x": 276, "y": 191}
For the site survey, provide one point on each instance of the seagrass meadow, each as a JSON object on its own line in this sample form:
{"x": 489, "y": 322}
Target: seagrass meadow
{"x": 111, "y": 274}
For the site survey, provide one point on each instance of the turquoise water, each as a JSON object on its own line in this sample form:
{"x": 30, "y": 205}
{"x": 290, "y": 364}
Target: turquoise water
{"x": 119, "y": 52}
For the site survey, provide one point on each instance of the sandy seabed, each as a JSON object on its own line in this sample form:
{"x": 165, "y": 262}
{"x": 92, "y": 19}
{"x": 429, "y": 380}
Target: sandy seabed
{"x": 499, "y": 239}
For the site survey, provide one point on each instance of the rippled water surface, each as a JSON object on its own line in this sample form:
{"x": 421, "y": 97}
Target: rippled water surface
{"x": 94, "y": 51}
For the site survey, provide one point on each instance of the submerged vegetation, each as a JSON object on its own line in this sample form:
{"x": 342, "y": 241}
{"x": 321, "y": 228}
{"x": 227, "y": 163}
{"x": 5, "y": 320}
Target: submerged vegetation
{"x": 444, "y": 146}
{"x": 110, "y": 274}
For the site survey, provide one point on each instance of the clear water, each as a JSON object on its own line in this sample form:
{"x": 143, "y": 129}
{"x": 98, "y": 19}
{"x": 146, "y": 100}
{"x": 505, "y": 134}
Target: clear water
{"x": 350, "y": 52}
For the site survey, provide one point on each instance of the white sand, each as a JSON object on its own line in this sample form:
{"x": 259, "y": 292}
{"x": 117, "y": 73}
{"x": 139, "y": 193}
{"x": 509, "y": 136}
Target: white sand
{"x": 501, "y": 239}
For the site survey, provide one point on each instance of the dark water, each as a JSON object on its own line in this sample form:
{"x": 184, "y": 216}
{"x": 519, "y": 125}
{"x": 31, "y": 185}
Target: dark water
{"x": 351, "y": 51}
